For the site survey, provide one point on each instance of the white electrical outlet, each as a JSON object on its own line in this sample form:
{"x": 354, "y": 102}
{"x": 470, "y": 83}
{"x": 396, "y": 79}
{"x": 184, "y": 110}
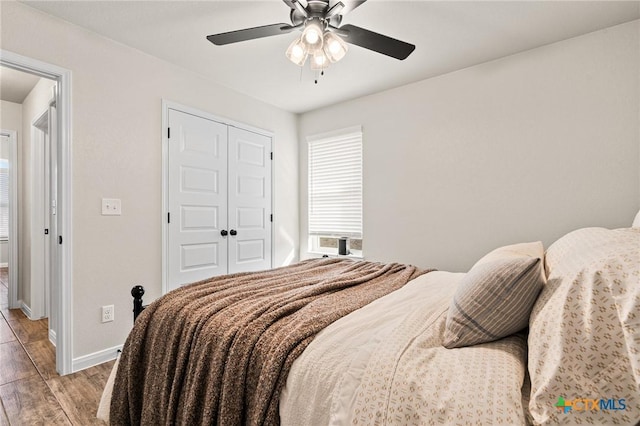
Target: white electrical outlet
{"x": 111, "y": 207}
{"x": 108, "y": 313}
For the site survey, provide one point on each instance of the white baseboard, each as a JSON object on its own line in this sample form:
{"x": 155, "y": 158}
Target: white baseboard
{"x": 24, "y": 308}
{"x": 95, "y": 358}
{"x": 52, "y": 337}
{"x": 4, "y": 265}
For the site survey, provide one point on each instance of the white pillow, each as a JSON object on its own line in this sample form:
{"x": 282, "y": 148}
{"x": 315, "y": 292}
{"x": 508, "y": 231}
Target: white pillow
{"x": 636, "y": 221}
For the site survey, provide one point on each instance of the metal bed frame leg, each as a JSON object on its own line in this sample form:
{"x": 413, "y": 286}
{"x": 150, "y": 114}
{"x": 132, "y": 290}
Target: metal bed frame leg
{"x": 137, "y": 292}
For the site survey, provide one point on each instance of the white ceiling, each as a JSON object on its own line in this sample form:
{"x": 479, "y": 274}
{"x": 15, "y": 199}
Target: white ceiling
{"x": 449, "y": 35}
{"x": 16, "y": 85}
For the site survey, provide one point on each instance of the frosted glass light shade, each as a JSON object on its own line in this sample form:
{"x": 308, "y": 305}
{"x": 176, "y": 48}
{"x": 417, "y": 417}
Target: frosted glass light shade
{"x": 297, "y": 52}
{"x": 334, "y": 47}
{"x": 319, "y": 61}
{"x": 312, "y": 35}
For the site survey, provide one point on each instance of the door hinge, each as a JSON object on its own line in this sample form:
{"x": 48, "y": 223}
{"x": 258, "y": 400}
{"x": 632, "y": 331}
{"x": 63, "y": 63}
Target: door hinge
{"x": 168, "y": 132}
{"x": 168, "y": 217}
{"x": 272, "y": 155}
{"x": 271, "y": 217}
{"x": 59, "y": 239}
{"x": 46, "y": 231}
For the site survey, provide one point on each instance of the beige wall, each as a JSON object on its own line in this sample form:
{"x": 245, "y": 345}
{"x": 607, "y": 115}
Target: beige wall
{"x": 527, "y": 147}
{"x": 116, "y": 153}
{"x": 11, "y": 117}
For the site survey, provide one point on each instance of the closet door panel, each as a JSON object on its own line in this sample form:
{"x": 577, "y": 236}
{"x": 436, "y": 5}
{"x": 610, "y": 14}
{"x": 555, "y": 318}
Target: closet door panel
{"x": 249, "y": 201}
{"x": 197, "y": 177}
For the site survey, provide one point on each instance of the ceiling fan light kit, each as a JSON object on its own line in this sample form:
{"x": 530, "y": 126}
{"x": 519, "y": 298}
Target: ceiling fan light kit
{"x": 312, "y": 34}
{"x": 322, "y": 45}
{"x": 322, "y": 39}
{"x": 319, "y": 61}
{"x": 334, "y": 47}
{"x": 297, "y": 53}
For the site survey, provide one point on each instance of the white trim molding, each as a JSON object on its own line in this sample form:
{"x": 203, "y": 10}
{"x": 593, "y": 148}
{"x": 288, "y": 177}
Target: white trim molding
{"x": 26, "y": 310}
{"x": 39, "y": 129}
{"x": 90, "y": 360}
{"x": 52, "y": 337}
{"x": 62, "y": 284}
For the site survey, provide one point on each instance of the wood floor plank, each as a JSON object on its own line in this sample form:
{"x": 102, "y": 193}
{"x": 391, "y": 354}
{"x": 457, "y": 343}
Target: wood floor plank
{"x": 79, "y": 395}
{"x": 6, "y": 334}
{"x": 31, "y": 402}
{"x": 16, "y": 364}
{"x": 43, "y": 355}
{"x": 13, "y": 314}
{"x": 102, "y": 370}
{"x": 28, "y": 330}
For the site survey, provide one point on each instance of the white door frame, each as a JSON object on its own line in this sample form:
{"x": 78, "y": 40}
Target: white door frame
{"x": 41, "y": 218}
{"x": 13, "y": 217}
{"x": 39, "y": 279}
{"x": 63, "y": 302}
{"x": 166, "y": 106}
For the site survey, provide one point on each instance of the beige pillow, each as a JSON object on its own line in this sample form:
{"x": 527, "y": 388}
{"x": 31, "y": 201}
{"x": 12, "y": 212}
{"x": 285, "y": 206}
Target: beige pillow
{"x": 513, "y": 251}
{"x": 493, "y": 301}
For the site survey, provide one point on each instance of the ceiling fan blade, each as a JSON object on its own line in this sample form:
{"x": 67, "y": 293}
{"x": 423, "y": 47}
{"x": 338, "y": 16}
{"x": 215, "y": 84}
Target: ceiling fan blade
{"x": 249, "y": 34}
{"x": 349, "y": 5}
{"x": 377, "y": 42}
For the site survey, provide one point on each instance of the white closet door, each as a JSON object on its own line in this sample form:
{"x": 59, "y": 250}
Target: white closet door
{"x": 197, "y": 177}
{"x": 249, "y": 201}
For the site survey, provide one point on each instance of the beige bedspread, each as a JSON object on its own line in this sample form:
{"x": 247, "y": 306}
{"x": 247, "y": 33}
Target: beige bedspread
{"x": 385, "y": 364}
{"x": 219, "y": 351}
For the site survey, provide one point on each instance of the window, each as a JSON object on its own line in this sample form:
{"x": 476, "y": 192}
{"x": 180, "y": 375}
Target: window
{"x": 335, "y": 191}
{"x": 4, "y": 200}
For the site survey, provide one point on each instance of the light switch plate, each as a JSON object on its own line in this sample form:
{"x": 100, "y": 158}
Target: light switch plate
{"x": 111, "y": 207}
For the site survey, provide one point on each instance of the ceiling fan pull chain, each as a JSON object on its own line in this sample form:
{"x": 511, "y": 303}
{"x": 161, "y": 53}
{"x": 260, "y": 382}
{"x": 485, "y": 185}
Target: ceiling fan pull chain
{"x": 318, "y": 76}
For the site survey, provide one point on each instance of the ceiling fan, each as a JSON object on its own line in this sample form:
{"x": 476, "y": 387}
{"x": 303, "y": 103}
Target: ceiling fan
{"x": 323, "y": 39}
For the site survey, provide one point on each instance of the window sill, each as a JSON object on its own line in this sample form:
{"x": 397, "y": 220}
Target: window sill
{"x": 357, "y": 256}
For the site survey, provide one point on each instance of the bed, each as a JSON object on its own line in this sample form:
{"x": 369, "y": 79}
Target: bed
{"x": 527, "y": 336}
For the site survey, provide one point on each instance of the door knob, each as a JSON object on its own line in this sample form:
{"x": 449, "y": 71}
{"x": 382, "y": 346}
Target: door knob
{"x": 224, "y": 232}
{"x": 233, "y": 232}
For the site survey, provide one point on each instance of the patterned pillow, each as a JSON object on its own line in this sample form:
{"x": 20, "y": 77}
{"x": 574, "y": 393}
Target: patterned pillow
{"x": 584, "y": 331}
{"x": 493, "y": 301}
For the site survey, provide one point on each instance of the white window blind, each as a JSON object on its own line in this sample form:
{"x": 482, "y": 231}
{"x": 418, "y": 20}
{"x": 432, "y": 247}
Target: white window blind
{"x": 335, "y": 184}
{"x": 4, "y": 200}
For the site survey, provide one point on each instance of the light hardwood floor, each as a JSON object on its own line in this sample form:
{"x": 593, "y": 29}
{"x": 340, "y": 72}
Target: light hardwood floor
{"x": 31, "y": 392}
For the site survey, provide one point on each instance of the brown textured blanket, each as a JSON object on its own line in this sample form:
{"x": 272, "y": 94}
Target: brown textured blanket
{"x": 218, "y": 351}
